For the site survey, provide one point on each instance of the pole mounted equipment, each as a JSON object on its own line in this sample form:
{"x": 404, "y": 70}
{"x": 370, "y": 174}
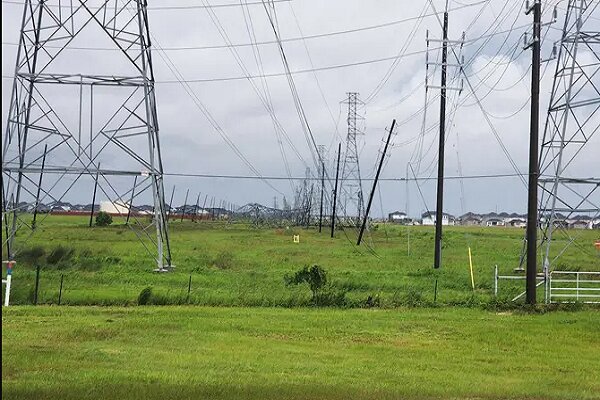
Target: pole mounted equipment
{"x": 444, "y": 88}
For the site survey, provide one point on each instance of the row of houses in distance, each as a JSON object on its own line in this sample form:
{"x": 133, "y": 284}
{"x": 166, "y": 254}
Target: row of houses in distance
{"x": 66, "y": 208}
{"x": 492, "y": 219}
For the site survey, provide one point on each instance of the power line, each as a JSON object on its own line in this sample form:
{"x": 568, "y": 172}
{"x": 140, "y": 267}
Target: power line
{"x": 280, "y": 74}
{"x": 316, "y": 178}
{"x": 156, "y": 8}
{"x": 271, "y": 42}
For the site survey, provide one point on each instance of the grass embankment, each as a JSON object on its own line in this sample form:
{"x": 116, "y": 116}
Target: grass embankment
{"x": 265, "y": 353}
{"x": 240, "y": 265}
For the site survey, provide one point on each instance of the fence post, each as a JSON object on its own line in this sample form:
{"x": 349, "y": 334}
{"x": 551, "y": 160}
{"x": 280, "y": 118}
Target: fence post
{"x": 577, "y": 280}
{"x": 550, "y": 287}
{"x": 189, "y": 288}
{"x": 62, "y": 276}
{"x": 8, "y": 281}
{"x": 37, "y": 285}
{"x": 496, "y": 280}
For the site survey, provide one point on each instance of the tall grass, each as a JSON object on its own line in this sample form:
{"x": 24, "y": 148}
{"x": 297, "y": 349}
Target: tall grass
{"x": 241, "y": 265}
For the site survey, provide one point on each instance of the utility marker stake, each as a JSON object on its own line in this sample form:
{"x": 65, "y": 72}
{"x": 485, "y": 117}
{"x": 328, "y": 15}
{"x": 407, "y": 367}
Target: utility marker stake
{"x": 471, "y": 267}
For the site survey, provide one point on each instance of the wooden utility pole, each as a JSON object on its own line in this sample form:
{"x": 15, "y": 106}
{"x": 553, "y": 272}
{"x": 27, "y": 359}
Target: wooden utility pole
{"x": 171, "y": 203}
{"x": 532, "y": 206}
{"x": 439, "y": 212}
{"x": 196, "y": 209}
{"x": 185, "y": 204}
{"x": 366, "y": 216}
{"x": 39, "y": 188}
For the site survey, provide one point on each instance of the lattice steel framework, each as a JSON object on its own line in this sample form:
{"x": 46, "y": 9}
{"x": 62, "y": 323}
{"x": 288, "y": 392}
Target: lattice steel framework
{"x": 567, "y": 149}
{"x": 351, "y": 184}
{"x": 94, "y": 126}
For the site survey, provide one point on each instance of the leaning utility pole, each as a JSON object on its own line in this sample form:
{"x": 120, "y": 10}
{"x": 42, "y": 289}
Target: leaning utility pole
{"x": 39, "y": 189}
{"x": 185, "y": 204}
{"x": 366, "y": 216}
{"x": 122, "y": 134}
{"x": 196, "y": 208}
{"x": 532, "y": 203}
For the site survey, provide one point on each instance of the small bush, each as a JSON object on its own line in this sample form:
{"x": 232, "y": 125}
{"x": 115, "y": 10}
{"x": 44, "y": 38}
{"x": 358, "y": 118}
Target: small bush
{"x": 60, "y": 254}
{"x": 33, "y": 255}
{"x": 145, "y": 296}
{"x": 315, "y": 277}
{"x": 103, "y": 219}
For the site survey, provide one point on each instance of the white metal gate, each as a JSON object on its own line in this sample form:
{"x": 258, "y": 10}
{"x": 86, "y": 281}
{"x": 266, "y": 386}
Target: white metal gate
{"x": 574, "y": 286}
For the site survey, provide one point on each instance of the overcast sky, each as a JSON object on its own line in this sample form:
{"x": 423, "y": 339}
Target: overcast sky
{"x": 498, "y": 68}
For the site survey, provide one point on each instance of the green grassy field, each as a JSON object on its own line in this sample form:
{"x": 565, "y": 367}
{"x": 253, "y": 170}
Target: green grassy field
{"x": 186, "y": 352}
{"x": 235, "y": 264}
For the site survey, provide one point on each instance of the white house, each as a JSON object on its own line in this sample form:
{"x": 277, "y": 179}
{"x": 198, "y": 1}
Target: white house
{"x": 580, "y": 224}
{"x": 398, "y": 217}
{"x": 517, "y": 222}
{"x": 494, "y": 222}
{"x": 428, "y": 218}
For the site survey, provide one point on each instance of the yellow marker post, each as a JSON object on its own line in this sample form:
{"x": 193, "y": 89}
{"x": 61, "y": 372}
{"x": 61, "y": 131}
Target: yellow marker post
{"x": 471, "y": 267}
{"x": 296, "y": 238}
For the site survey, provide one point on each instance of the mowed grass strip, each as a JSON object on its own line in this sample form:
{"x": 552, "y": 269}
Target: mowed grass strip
{"x": 270, "y": 353}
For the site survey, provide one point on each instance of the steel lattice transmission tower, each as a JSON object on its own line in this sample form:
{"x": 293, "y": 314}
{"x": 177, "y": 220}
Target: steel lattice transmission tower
{"x": 79, "y": 119}
{"x": 569, "y": 150}
{"x": 351, "y": 180}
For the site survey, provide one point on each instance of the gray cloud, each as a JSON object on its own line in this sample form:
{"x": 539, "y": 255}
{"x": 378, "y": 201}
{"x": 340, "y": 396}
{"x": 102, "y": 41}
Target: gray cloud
{"x": 190, "y": 144}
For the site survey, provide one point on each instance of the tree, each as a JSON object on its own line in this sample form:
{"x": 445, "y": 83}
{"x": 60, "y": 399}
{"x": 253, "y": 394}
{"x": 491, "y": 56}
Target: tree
{"x": 315, "y": 277}
{"x": 103, "y": 219}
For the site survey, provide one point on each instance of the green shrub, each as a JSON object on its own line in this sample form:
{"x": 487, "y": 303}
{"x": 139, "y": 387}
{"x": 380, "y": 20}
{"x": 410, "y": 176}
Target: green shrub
{"x": 145, "y": 296}
{"x": 60, "y": 254}
{"x": 315, "y": 277}
{"x": 103, "y": 219}
{"x": 33, "y": 255}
